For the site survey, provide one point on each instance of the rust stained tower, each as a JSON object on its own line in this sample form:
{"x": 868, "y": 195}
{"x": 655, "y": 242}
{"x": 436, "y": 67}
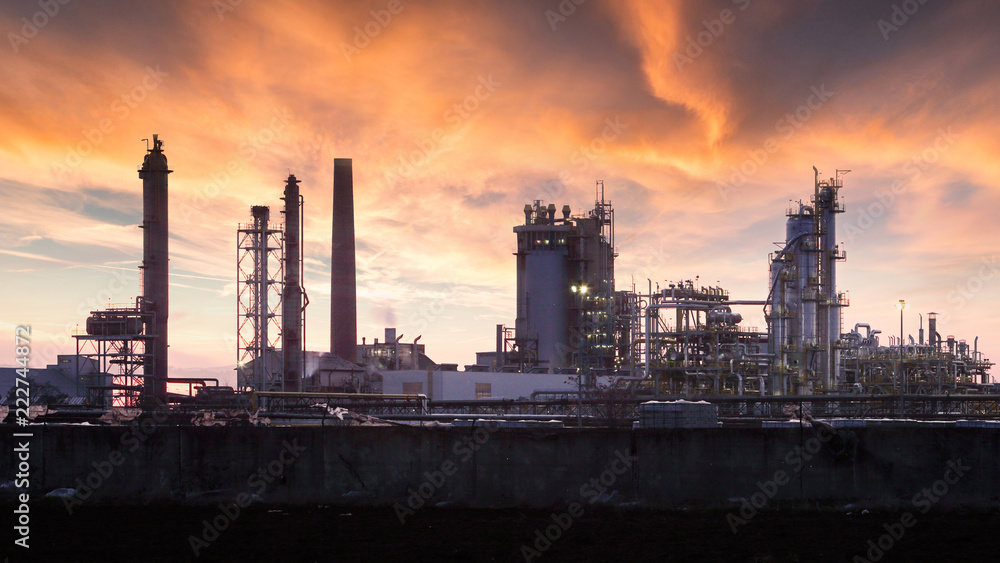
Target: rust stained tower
{"x": 343, "y": 299}
{"x": 156, "y": 291}
{"x": 291, "y": 301}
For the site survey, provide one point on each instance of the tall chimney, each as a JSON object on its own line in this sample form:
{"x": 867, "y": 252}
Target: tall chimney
{"x": 343, "y": 298}
{"x": 291, "y": 301}
{"x": 155, "y": 281}
{"x": 932, "y": 333}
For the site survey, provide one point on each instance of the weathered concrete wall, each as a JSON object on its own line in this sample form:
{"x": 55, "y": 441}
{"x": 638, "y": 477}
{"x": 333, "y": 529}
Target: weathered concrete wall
{"x": 511, "y": 467}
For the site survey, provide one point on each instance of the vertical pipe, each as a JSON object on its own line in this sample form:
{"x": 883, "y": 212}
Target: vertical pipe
{"x": 521, "y": 336}
{"x": 830, "y": 288}
{"x": 498, "y": 362}
{"x": 902, "y": 367}
{"x": 343, "y": 299}
{"x": 921, "y": 334}
{"x": 155, "y": 276}
{"x": 261, "y": 214}
{"x": 291, "y": 302}
{"x": 646, "y": 312}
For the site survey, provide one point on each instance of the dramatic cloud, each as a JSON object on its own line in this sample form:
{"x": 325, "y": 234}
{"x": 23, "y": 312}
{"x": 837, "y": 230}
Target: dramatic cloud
{"x": 703, "y": 119}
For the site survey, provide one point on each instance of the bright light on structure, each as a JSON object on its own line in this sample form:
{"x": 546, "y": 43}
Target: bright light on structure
{"x": 583, "y": 289}
{"x": 901, "y": 305}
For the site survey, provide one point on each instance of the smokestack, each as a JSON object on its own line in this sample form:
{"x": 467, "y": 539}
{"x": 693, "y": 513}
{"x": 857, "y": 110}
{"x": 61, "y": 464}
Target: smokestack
{"x": 343, "y": 298}
{"x": 155, "y": 251}
{"x": 291, "y": 300}
{"x": 921, "y": 333}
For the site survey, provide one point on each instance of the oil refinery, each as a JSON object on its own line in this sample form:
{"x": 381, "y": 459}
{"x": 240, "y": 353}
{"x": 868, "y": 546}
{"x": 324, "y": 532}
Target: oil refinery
{"x": 669, "y": 373}
{"x": 575, "y": 338}
{"x": 559, "y": 280}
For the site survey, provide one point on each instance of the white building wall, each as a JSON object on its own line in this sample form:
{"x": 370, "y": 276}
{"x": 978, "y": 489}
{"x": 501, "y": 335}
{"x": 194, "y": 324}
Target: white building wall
{"x": 461, "y": 385}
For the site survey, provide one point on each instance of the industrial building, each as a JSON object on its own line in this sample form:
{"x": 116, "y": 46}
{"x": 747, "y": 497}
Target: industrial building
{"x": 686, "y": 339}
{"x": 574, "y": 334}
{"x": 565, "y": 289}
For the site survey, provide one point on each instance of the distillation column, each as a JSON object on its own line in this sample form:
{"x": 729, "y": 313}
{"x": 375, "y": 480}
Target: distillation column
{"x": 829, "y": 321}
{"x": 155, "y": 276}
{"x": 291, "y": 316}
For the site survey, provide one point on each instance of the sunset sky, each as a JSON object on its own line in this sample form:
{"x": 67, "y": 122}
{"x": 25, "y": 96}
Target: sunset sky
{"x": 703, "y": 119}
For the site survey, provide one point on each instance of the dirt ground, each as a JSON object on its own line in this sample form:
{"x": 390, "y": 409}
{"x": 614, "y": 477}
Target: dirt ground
{"x": 331, "y": 533}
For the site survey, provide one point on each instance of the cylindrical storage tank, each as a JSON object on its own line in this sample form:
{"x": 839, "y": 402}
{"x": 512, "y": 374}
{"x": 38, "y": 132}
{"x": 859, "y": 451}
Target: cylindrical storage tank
{"x": 799, "y": 224}
{"x": 798, "y": 237}
{"x": 546, "y": 296}
{"x": 113, "y": 325}
{"x": 806, "y": 268}
{"x": 722, "y": 317}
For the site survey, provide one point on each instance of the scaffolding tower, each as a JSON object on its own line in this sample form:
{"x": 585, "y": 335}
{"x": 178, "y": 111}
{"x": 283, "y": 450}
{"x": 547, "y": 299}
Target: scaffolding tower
{"x": 259, "y": 271}
{"x": 116, "y": 345}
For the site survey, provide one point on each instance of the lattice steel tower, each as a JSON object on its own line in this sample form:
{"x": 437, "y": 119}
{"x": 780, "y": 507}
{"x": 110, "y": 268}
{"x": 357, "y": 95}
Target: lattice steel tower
{"x": 259, "y": 267}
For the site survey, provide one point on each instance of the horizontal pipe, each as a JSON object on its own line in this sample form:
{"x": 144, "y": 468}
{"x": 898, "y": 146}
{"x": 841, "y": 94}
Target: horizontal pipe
{"x": 372, "y": 396}
{"x": 201, "y": 380}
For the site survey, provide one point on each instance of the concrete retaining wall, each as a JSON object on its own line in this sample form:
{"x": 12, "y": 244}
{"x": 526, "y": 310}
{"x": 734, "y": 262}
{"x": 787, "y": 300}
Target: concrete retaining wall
{"x": 512, "y": 467}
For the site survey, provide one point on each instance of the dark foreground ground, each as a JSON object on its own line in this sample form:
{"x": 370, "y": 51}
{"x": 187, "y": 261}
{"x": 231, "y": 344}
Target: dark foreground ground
{"x": 262, "y": 533}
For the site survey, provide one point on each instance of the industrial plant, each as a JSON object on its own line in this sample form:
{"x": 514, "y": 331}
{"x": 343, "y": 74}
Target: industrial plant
{"x": 667, "y": 379}
{"x": 575, "y": 339}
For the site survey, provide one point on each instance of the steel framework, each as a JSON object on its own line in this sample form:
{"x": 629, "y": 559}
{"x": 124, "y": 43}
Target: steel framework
{"x": 259, "y": 269}
{"x": 117, "y": 346}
